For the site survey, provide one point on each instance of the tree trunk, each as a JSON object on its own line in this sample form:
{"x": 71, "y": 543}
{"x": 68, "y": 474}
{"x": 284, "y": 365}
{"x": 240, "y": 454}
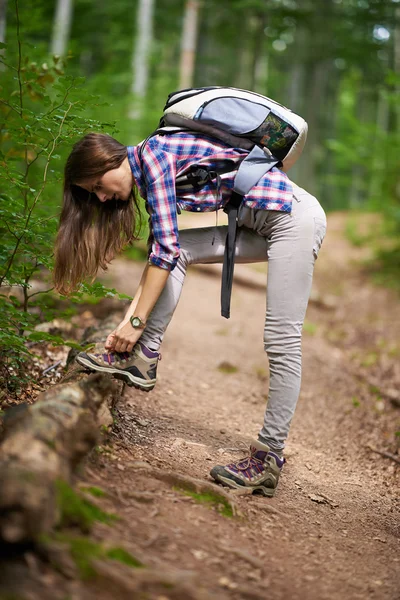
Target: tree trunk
{"x": 141, "y": 54}
{"x": 44, "y": 442}
{"x": 207, "y": 69}
{"x": 377, "y": 173}
{"x": 3, "y": 21}
{"x": 189, "y": 40}
{"x": 315, "y": 101}
{"x": 259, "y": 63}
{"x": 246, "y": 56}
{"x": 397, "y": 61}
{"x": 61, "y": 27}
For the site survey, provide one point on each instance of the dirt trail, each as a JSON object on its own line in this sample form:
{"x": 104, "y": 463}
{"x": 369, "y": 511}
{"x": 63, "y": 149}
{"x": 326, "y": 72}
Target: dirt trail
{"x": 332, "y": 530}
{"x": 335, "y": 533}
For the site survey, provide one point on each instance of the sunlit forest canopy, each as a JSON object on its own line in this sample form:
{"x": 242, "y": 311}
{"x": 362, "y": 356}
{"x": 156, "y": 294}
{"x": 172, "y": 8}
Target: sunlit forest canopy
{"x": 335, "y": 62}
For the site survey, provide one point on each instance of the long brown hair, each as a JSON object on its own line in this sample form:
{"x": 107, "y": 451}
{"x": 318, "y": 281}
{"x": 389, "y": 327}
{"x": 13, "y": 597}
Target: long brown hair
{"x": 91, "y": 232}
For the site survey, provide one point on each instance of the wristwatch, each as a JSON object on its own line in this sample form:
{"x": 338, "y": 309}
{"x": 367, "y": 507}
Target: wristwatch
{"x": 137, "y": 323}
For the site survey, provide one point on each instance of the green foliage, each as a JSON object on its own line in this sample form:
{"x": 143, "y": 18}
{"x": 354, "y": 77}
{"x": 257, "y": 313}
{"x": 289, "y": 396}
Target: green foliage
{"x": 94, "y": 491}
{"x": 43, "y": 110}
{"x": 124, "y": 557}
{"x": 386, "y": 267}
{"x": 228, "y": 368}
{"x": 84, "y": 551}
{"x": 137, "y": 253}
{"x": 76, "y": 510}
{"x": 379, "y": 234}
{"x": 367, "y": 154}
{"x": 353, "y": 234}
{"x": 310, "y": 328}
{"x": 209, "y": 499}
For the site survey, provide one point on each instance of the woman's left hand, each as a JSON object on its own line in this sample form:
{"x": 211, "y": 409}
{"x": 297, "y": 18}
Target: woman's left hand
{"x": 125, "y": 338}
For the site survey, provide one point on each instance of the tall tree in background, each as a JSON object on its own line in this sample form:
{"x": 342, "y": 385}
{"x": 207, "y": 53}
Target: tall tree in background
{"x": 61, "y": 27}
{"x": 3, "y": 21}
{"x": 141, "y": 55}
{"x": 189, "y": 40}
{"x": 396, "y": 61}
{"x": 3, "y": 11}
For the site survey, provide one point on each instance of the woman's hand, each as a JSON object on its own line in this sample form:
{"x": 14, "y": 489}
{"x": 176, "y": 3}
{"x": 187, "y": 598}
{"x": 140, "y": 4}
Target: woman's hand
{"x": 109, "y": 345}
{"x": 110, "y": 341}
{"x": 123, "y": 339}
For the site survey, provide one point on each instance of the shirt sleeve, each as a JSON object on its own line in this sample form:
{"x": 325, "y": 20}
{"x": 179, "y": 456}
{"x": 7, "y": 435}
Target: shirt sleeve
{"x": 159, "y": 171}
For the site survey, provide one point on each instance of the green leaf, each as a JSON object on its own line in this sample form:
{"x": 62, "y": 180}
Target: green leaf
{"x": 41, "y": 336}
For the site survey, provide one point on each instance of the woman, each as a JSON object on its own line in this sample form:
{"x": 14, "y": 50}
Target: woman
{"x": 278, "y": 222}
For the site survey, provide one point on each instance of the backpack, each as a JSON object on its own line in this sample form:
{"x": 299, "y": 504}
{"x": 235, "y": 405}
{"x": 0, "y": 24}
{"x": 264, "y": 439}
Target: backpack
{"x": 273, "y": 134}
{"x": 240, "y": 118}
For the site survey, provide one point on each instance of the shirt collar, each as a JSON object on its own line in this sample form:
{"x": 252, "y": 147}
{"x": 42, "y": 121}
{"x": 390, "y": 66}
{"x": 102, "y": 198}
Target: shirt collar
{"x": 134, "y": 163}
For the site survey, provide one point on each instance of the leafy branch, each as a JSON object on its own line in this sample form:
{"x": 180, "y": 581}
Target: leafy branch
{"x": 36, "y": 199}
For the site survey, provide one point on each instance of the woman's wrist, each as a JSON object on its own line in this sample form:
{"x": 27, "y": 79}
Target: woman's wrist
{"x": 124, "y": 322}
{"x": 137, "y": 322}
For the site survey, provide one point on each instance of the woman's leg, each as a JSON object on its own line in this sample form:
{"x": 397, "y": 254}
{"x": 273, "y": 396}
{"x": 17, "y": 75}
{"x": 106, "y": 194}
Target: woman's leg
{"x": 205, "y": 245}
{"x": 293, "y": 243}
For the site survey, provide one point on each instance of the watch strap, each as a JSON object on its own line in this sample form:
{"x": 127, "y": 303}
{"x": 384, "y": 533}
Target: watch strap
{"x": 141, "y": 325}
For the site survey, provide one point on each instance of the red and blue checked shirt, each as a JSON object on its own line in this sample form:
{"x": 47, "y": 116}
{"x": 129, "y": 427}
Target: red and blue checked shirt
{"x": 165, "y": 157}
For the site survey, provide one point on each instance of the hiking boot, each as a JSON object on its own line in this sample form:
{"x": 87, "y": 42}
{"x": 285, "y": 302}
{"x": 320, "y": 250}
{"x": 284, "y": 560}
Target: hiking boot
{"x": 137, "y": 368}
{"x": 260, "y": 471}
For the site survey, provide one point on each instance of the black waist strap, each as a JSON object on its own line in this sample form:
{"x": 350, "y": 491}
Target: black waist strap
{"x": 229, "y": 255}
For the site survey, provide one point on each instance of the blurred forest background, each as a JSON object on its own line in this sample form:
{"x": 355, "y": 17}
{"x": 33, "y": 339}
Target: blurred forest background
{"x": 71, "y": 66}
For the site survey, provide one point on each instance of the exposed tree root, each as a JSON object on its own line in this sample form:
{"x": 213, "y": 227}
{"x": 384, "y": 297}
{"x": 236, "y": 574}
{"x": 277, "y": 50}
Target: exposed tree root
{"x": 385, "y": 454}
{"x": 44, "y": 442}
{"x": 190, "y": 484}
{"x": 124, "y": 582}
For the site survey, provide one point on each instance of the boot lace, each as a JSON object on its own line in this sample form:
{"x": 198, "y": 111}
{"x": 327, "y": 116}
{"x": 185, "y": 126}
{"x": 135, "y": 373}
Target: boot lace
{"x": 247, "y": 463}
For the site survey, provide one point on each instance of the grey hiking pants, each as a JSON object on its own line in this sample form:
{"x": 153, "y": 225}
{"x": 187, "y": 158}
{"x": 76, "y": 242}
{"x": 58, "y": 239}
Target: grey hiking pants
{"x": 290, "y": 242}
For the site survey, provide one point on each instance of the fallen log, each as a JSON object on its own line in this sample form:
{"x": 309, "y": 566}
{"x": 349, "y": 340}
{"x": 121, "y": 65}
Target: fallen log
{"x": 44, "y": 442}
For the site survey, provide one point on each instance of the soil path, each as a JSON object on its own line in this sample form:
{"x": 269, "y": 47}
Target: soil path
{"x": 335, "y": 532}
{"x": 332, "y": 529}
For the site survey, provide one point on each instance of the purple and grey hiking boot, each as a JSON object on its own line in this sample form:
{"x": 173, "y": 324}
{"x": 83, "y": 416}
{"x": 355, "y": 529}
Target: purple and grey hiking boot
{"x": 137, "y": 368}
{"x": 259, "y": 471}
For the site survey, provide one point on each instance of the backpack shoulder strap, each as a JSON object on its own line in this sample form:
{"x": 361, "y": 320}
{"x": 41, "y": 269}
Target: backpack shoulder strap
{"x": 159, "y": 131}
{"x": 256, "y": 164}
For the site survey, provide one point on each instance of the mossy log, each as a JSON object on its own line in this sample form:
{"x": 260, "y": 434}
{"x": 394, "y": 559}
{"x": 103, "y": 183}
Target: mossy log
{"x": 44, "y": 442}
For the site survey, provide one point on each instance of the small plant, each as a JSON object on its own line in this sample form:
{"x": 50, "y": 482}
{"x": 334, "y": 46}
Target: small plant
{"x": 261, "y": 373}
{"x": 214, "y": 500}
{"x": 222, "y": 331}
{"x": 353, "y": 233}
{"x": 84, "y": 550}
{"x": 310, "y": 328}
{"x": 227, "y": 367}
{"x": 370, "y": 359}
{"x": 76, "y": 510}
{"x": 94, "y": 491}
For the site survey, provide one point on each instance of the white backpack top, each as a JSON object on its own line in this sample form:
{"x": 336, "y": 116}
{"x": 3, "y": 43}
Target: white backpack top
{"x": 242, "y": 119}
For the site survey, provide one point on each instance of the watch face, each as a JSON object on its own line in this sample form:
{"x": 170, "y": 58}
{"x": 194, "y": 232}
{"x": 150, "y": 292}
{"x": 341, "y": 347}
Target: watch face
{"x": 135, "y": 322}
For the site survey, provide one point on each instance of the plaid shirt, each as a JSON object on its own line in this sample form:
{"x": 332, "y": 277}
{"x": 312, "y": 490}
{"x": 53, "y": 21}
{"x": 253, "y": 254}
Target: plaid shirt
{"x": 166, "y": 156}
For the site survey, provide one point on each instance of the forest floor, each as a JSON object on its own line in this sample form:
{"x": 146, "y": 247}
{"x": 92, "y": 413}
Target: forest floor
{"x": 332, "y": 529}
